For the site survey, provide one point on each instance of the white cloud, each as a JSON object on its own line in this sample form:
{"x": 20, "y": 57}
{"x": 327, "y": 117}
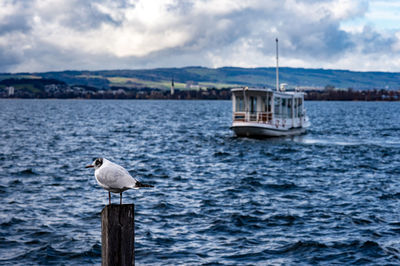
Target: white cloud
{"x": 103, "y": 34}
{"x": 396, "y": 45}
{"x": 7, "y": 9}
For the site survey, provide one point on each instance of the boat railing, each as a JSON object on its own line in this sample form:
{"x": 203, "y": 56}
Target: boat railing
{"x": 258, "y": 117}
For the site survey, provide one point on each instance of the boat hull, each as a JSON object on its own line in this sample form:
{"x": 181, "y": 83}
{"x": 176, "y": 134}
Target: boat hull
{"x": 258, "y": 131}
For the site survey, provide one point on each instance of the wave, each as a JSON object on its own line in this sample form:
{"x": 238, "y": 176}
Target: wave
{"x": 390, "y": 196}
{"x": 28, "y": 171}
{"x": 11, "y": 222}
{"x": 46, "y": 254}
{"x": 376, "y": 142}
{"x": 283, "y": 220}
{"x": 221, "y": 154}
{"x": 281, "y": 187}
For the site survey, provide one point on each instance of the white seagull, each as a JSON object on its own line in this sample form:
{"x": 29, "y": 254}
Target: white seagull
{"x": 114, "y": 178}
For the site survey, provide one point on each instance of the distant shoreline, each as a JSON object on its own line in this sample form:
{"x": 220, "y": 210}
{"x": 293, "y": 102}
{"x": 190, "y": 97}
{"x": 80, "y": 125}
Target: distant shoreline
{"x": 26, "y": 88}
{"x": 177, "y": 100}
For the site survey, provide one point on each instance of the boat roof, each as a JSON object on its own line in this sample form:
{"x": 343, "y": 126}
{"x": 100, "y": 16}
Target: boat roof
{"x": 254, "y": 89}
{"x": 251, "y": 89}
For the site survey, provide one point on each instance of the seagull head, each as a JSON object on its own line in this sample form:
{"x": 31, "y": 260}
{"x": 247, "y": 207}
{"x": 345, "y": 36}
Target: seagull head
{"x": 96, "y": 164}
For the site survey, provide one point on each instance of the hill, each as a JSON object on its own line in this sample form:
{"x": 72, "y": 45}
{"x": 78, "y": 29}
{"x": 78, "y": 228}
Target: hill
{"x": 198, "y": 77}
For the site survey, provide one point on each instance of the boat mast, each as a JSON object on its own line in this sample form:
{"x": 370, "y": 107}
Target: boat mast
{"x": 277, "y": 66}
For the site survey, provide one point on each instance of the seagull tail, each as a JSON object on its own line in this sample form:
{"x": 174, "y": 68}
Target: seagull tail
{"x": 138, "y": 184}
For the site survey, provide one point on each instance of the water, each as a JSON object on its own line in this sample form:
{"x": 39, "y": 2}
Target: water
{"x": 331, "y": 196}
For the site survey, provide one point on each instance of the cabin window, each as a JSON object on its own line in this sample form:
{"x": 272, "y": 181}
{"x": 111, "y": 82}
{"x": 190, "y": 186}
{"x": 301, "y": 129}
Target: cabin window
{"x": 290, "y": 107}
{"x": 300, "y": 107}
{"x": 239, "y": 104}
{"x": 284, "y": 108}
{"x": 253, "y": 104}
{"x": 267, "y": 103}
{"x": 269, "y": 100}
{"x": 264, "y": 102}
{"x": 277, "y": 107}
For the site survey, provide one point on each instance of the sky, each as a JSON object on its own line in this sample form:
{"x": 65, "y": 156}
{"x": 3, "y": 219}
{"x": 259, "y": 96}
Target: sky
{"x": 56, "y": 35}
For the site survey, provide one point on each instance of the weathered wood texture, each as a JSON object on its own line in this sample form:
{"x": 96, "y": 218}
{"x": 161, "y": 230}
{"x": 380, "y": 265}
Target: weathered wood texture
{"x": 118, "y": 235}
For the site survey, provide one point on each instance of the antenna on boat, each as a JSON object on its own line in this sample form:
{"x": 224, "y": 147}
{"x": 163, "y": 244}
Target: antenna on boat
{"x": 277, "y": 66}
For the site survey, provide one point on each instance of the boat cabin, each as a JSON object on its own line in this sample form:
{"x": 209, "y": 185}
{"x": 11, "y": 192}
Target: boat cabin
{"x": 282, "y": 109}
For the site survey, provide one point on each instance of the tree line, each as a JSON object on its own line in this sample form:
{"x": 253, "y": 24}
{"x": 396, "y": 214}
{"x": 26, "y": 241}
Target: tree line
{"x": 52, "y": 88}
{"x": 332, "y": 94}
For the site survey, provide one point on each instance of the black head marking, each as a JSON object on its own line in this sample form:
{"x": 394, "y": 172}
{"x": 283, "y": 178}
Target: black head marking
{"x": 98, "y": 162}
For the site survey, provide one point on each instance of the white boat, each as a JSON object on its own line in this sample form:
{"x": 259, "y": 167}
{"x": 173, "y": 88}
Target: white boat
{"x": 262, "y": 112}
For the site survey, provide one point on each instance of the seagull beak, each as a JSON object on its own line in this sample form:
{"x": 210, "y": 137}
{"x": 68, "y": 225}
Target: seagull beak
{"x": 89, "y": 166}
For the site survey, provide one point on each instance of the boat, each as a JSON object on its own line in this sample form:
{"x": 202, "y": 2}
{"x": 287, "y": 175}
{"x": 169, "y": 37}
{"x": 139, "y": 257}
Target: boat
{"x": 266, "y": 112}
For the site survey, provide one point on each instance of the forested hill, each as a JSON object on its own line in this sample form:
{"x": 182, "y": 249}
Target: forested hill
{"x": 195, "y": 77}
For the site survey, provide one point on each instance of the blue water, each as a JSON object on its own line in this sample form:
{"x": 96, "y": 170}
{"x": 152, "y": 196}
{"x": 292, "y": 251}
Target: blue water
{"x": 331, "y": 196}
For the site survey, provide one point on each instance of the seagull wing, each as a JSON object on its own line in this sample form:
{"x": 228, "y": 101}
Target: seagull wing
{"x": 114, "y": 176}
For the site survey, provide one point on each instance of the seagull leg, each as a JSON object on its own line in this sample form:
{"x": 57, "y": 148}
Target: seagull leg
{"x": 109, "y": 197}
{"x": 120, "y": 198}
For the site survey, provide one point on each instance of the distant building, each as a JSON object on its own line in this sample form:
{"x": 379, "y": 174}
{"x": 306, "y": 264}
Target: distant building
{"x": 52, "y": 88}
{"x": 172, "y": 87}
{"x": 119, "y": 91}
{"x": 10, "y": 90}
{"x": 192, "y": 85}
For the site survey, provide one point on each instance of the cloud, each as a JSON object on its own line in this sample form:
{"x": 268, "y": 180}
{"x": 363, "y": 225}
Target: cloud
{"x": 43, "y": 35}
{"x": 12, "y": 18}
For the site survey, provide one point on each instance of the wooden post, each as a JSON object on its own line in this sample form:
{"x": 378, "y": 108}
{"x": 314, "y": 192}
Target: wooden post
{"x": 118, "y": 235}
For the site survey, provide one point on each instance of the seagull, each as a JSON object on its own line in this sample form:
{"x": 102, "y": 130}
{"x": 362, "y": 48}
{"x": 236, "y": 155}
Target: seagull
{"x": 114, "y": 178}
